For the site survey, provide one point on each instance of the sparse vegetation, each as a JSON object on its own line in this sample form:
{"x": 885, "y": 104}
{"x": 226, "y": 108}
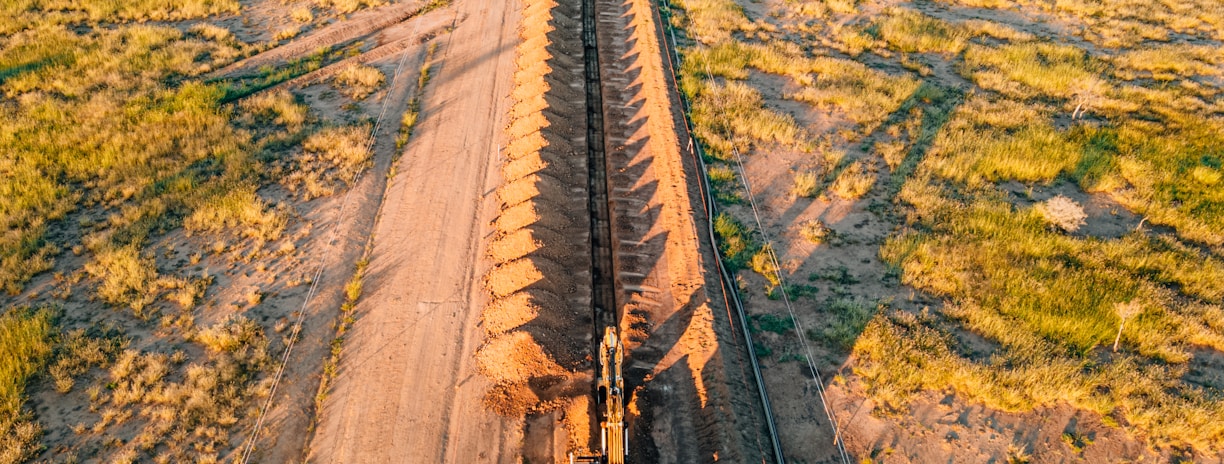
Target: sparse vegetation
{"x": 1123, "y": 113}
{"x": 115, "y": 144}
{"x": 347, "y": 6}
{"x": 331, "y": 158}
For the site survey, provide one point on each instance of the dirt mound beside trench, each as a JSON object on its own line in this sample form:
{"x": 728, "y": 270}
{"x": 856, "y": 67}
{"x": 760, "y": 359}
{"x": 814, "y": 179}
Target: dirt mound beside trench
{"x": 538, "y": 318}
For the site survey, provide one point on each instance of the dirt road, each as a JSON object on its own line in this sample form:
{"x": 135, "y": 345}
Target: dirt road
{"x": 407, "y": 390}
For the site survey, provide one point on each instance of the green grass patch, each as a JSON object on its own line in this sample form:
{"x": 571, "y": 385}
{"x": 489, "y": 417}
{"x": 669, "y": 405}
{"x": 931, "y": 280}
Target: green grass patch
{"x": 734, "y": 241}
{"x": 25, "y": 342}
{"x": 911, "y": 31}
{"x": 772, "y": 323}
{"x": 1032, "y": 69}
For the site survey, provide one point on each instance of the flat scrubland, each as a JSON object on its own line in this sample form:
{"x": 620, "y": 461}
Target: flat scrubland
{"x": 1016, "y": 206}
{"x": 152, "y": 220}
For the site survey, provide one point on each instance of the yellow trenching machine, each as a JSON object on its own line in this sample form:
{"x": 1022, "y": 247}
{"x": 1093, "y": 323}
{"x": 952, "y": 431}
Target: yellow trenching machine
{"x": 614, "y": 437}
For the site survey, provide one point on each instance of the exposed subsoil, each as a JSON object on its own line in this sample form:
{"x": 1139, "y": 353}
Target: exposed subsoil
{"x": 687, "y": 404}
{"x": 540, "y": 319}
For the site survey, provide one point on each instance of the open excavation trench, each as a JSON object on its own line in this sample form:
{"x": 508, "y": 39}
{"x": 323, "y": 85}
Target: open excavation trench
{"x": 597, "y": 226}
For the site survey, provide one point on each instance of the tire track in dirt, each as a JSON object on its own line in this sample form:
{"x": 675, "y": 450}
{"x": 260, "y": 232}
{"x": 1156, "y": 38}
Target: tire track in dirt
{"x": 289, "y": 421}
{"x": 358, "y": 26}
{"x": 428, "y": 27}
{"x": 408, "y": 388}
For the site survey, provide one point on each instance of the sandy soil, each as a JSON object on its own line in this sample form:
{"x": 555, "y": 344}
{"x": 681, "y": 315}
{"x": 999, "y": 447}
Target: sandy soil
{"x": 408, "y": 388}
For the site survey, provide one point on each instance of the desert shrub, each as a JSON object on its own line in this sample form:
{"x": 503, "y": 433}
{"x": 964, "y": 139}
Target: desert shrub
{"x": 287, "y": 33}
{"x": 126, "y": 278}
{"x": 186, "y": 292}
{"x": 80, "y": 349}
{"x": 279, "y": 107}
{"x": 762, "y": 262}
{"x": 407, "y": 124}
{"x": 230, "y": 334}
{"x": 302, "y": 14}
{"x": 854, "y": 181}
{"x": 726, "y": 185}
{"x": 342, "y": 149}
{"x": 711, "y": 21}
{"x": 358, "y": 81}
{"x": 330, "y": 159}
{"x": 893, "y": 153}
{"x": 25, "y": 343}
{"x": 733, "y": 116}
{"x": 813, "y": 231}
{"x": 1062, "y": 212}
{"x": 845, "y": 320}
{"x": 186, "y": 413}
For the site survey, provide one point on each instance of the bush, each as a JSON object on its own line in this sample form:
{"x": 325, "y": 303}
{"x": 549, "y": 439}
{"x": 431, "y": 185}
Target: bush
{"x": 912, "y": 31}
{"x": 302, "y": 14}
{"x": 733, "y": 240}
{"x": 348, "y": 6}
{"x": 230, "y": 334}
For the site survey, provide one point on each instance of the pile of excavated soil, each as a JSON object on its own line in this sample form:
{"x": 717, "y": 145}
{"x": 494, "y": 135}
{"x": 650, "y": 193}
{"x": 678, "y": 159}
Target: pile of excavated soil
{"x": 538, "y": 320}
{"x": 514, "y": 358}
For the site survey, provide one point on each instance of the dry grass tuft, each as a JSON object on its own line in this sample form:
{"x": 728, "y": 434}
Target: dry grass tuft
{"x": 126, "y": 278}
{"x": 805, "y": 184}
{"x": 348, "y": 6}
{"x": 241, "y": 207}
{"x": 854, "y": 181}
{"x": 358, "y": 81}
{"x": 1063, "y": 213}
{"x": 813, "y": 231}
